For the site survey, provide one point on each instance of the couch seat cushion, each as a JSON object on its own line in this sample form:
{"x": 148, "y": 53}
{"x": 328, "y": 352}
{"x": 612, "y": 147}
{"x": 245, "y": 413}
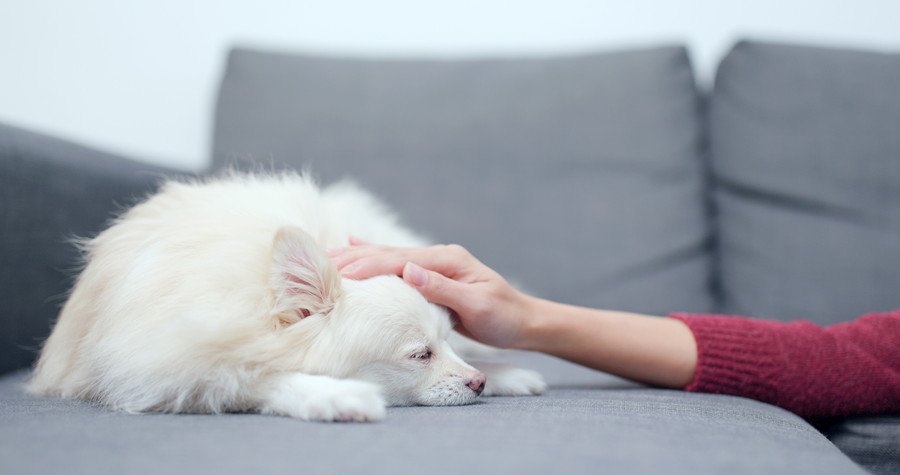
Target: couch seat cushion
{"x": 587, "y": 423}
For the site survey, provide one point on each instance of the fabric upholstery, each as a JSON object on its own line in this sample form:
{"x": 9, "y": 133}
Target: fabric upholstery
{"x": 873, "y": 442}
{"x": 805, "y": 148}
{"x": 527, "y": 162}
{"x": 51, "y": 191}
{"x": 587, "y": 423}
{"x": 605, "y": 149}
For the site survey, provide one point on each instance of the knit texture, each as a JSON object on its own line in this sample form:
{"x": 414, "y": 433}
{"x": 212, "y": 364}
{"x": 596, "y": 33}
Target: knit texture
{"x": 816, "y": 372}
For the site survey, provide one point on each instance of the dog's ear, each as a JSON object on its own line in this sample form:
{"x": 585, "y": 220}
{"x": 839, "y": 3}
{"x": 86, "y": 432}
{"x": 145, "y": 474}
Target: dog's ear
{"x": 304, "y": 280}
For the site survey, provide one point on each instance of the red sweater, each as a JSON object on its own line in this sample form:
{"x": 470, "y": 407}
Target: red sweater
{"x": 816, "y": 372}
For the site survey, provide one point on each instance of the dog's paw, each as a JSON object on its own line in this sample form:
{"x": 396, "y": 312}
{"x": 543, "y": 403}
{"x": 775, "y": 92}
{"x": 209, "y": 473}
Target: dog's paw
{"x": 322, "y": 399}
{"x": 510, "y": 381}
{"x": 352, "y": 401}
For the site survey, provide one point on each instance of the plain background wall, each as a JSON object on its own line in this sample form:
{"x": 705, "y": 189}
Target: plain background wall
{"x": 140, "y": 78}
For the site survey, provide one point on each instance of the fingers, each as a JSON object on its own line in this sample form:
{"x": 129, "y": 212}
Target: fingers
{"x": 436, "y": 288}
{"x": 346, "y": 255}
{"x": 361, "y": 262}
{"x": 366, "y": 267}
{"x": 355, "y": 241}
{"x": 368, "y": 261}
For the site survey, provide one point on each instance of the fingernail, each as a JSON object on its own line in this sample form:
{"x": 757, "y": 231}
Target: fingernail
{"x": 417, "y": 275}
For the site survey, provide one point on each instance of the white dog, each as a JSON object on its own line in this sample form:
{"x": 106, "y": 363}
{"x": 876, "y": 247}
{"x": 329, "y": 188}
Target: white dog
{"x": 218, "y": 296}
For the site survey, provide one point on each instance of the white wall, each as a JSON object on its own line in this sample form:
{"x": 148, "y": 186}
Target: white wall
{"x": 141, "y": 79}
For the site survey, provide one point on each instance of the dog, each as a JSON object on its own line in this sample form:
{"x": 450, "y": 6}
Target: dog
{"x": 218, "y": 296}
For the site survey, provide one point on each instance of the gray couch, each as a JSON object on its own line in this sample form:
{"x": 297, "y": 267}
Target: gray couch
{"x": 776, "y": 194}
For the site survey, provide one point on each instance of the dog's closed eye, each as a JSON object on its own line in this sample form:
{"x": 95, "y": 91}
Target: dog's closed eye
{"x": 424, "y": 356}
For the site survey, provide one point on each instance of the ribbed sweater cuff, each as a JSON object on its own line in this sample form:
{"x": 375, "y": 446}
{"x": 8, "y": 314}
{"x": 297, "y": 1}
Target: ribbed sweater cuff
{"x": 735, "y": 355}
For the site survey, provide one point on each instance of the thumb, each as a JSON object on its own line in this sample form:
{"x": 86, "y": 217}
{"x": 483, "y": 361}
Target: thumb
{"x": 435, "y": 287}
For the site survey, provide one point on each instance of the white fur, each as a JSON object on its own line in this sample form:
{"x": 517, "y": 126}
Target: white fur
{"x": 217, "y": 296}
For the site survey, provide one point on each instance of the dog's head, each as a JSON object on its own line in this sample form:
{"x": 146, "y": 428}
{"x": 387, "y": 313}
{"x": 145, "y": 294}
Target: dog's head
{"x": 379, "y": 329}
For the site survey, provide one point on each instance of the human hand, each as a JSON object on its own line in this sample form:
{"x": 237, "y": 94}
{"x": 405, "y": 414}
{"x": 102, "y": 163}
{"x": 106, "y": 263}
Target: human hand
{"x": 490, "y": 310}
{"x": 660, "y": 351}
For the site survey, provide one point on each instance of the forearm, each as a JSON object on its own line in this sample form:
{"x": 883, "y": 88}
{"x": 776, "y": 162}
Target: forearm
{"x": 813, "y": 371}
{"x": 652, "y": 350}
{"x": 846, "y": 369}
{"x": 851, "y": 368}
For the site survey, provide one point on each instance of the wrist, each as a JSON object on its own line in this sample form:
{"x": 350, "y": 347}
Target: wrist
{"x": 537, "y": 321}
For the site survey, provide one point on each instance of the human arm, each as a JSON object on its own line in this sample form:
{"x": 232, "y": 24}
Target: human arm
{"x": 850, "y": 368}
{"x": 648, "y": 349}
{"x": 846, "y": 369}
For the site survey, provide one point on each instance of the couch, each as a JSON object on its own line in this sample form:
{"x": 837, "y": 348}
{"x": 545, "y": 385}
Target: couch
{"x": 607, "y": 179}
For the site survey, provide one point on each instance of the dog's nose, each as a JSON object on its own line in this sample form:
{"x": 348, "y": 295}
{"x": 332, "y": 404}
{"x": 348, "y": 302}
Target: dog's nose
{"x": 476, "y": 382}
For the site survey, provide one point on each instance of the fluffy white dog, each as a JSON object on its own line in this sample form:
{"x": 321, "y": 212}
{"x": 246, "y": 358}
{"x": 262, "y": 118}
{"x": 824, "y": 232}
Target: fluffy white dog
{"x": 218, "y": 296}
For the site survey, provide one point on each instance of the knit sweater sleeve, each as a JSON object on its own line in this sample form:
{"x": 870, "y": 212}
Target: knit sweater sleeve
{"x": 816, "y": 372}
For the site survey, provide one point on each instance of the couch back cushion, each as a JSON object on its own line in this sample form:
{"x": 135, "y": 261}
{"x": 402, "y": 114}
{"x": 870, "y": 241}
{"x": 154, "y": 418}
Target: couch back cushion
{"x": 50, "y": 192}
{"x": 805, "y": 146}
{"x": 579, "y": 177}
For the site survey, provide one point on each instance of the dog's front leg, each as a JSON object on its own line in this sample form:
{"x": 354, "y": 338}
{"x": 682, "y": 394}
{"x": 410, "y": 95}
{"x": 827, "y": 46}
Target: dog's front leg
{"x": 506, "y": 380}
{"x": 321, "y": 398}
